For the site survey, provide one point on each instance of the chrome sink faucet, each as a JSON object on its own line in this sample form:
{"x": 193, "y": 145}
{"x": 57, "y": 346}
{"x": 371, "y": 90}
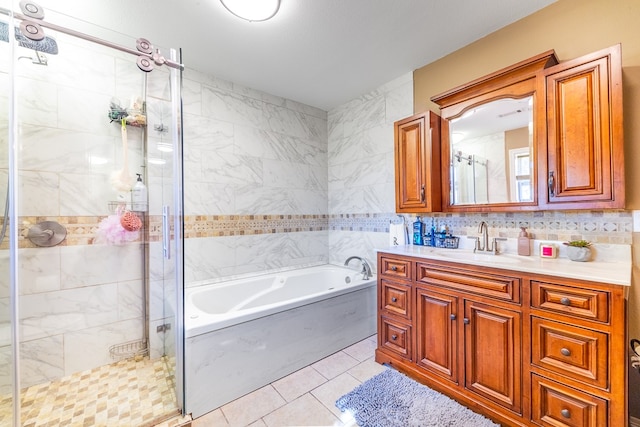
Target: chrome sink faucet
{"x": 486, "y": 246}
{"x": 366, "y": 268}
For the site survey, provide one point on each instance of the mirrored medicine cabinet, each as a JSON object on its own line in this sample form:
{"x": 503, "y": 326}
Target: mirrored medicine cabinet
{"x": 537, "y": 135}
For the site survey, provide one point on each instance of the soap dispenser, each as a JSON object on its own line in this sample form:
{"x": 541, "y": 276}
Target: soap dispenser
{"x": 139, "y": 196}
{"x": 524, "y": 245}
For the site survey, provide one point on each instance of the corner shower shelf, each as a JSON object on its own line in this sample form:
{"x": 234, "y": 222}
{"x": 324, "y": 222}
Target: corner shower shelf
{"x": 129, "y": 349}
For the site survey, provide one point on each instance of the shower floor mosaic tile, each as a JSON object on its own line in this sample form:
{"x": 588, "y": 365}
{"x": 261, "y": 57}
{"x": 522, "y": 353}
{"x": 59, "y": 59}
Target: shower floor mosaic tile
{"x": 132, "y": 392}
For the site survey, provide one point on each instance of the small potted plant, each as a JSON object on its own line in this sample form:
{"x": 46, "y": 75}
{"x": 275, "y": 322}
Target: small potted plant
{"x": 578, "y": 250}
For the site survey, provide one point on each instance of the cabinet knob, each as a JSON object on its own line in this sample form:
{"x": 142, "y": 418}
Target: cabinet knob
{"x": 565, "y": 301}
{"x": 565, "y": 352}
{"x": 394, "y": 299}
{"x": 394, "y": 268}
{"x": 394, "y": 337}
{"x": 465, "y": 321}
{"x": 565, "y": 413}
{"x": 452, "y": 316}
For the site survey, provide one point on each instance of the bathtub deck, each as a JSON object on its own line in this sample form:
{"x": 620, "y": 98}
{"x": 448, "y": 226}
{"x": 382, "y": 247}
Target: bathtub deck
{"x": 306, "y": 397}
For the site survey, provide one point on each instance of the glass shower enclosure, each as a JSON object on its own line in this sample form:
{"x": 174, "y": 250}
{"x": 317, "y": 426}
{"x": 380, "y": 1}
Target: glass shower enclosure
{"x": 90, "y": 281}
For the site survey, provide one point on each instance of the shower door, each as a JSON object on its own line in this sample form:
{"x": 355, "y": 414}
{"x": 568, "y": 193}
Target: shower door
{"x": 94, "y": 291}
{"x": 7, "y": 368}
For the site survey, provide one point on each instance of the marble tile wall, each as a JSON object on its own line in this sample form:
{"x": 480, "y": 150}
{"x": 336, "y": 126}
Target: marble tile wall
{"x": 361, "y": 169}
{"x": 255, "y": 180}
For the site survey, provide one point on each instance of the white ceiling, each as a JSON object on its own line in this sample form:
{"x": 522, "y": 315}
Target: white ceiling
{"x": 318, "y": 52}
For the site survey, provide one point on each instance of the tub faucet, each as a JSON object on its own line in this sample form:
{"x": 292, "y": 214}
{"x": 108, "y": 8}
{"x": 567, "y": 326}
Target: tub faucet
{"x": 366, "y": 268}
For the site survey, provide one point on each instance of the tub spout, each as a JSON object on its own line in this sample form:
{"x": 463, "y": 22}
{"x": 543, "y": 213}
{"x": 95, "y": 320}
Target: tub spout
{"x": 366, "y": 268}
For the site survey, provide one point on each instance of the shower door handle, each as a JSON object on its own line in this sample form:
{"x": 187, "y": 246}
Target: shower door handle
{"x": 166, "y": 230}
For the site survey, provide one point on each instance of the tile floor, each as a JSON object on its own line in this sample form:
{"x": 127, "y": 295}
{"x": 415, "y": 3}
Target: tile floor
{"x": 306, "y": 397}
{"x": 132, "y": 392}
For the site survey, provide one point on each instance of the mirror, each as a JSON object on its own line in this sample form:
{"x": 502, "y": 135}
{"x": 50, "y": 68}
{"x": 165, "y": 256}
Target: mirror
{"x": 491, "y": 153}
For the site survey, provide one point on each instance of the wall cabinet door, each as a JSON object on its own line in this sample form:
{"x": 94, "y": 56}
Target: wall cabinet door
{"x": 417, "y": 163}
{"x": 437, "y": 333}
{"x": 492, "y": 353}
{"x": 585, "y": 165}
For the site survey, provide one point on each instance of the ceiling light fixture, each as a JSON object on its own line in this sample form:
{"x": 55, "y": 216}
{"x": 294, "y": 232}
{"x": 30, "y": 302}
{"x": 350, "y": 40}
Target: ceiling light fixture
{"x": 252, "y": 10}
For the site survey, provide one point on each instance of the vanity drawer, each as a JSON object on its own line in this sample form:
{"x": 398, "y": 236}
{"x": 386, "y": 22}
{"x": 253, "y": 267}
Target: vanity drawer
{"x": 579, "y": 302}
{"x": 478, "y": 282}
{"x": 554, "y": 404}
{"x": 395, "y": 298}
{"x": 395, "y": 337}
{"x": 393, "y": 267}
{"x": 568, "y": 350}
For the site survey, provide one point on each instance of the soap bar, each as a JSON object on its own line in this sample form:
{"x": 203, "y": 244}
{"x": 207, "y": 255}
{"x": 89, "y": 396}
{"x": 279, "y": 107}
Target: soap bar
{"x": 548, "y": 251}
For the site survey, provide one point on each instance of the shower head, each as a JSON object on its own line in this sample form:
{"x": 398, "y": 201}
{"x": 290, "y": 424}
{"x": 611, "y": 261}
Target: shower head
{"x": 46, "y": 45}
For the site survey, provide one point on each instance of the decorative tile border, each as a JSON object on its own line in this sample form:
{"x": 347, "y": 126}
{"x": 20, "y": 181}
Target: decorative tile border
{"x": 596, "y": 226}
{"x": 241, "y": 225}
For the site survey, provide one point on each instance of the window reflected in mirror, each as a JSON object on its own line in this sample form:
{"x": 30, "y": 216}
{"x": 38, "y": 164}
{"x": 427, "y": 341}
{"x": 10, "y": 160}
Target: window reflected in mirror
{"x": 491, "y": 153}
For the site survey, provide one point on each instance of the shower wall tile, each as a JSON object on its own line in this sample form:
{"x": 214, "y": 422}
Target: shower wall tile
{"x": 89, "y": 348}
{"x": 99, "y": 264}
{"x": 53, "y": 313}
{"x": 131, "y": 302}
{"x": 37, "y": 103}
{"x": 6, "y": 381}
{"x": 39, "y": 270}
{"x": 41, "y": 360}
{"x": 39, "y": 192}
{"x": 159, "y": 84}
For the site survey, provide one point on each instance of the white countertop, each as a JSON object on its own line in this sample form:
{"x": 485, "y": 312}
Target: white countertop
{"x": 611, "y": 263}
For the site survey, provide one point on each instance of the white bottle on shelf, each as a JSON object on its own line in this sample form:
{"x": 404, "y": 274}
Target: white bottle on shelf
{"x": 139, "y": 196}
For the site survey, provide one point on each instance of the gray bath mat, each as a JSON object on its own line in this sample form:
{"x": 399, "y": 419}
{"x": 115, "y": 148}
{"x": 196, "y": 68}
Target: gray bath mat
{"x": 391, "y": 399}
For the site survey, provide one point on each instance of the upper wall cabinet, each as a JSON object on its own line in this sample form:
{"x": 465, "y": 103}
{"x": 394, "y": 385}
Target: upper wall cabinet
{"x": 535, "y": 135}
{"x": 417, "y": 164}
{"x": 584, "y": 145}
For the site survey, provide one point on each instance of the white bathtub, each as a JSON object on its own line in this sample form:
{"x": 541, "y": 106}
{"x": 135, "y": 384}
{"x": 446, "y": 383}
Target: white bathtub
{"x": 244, "y": 334}
{"x": 212, "y": 307}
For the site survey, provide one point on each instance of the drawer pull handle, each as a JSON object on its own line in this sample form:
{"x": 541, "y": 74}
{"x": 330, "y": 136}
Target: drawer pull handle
{"x": 565, "y": 301}
{"x": 394, "y": 268}
{"x": 394, "y": 337}
{"x": 394, "y": 299}
{"x": 465, "y": 321}
{"x": 565, "y": 413}
{"x": 452, "y": 316}
{"x": 565, "y": 352}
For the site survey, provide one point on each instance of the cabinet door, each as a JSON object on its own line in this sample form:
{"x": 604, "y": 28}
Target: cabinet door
{"x": 417, "y": 163}
{"x": 436, "y": 333}
{"x": 585, "y": 165}
{"x": 492, "y": 353}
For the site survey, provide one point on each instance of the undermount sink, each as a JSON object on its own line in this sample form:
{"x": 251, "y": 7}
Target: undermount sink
{"x": 470, "y": 256}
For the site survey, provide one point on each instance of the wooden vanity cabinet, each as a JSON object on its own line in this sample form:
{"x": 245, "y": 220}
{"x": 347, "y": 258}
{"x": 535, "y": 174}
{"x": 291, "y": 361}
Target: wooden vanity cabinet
{"x": 584, "y": 165}
{"x": 417, "y": 163}
{"x": 519, "y": 348}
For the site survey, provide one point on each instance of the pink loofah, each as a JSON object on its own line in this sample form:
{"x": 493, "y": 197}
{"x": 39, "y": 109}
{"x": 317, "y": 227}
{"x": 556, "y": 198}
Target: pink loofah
{"x": 110, "y": 231}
